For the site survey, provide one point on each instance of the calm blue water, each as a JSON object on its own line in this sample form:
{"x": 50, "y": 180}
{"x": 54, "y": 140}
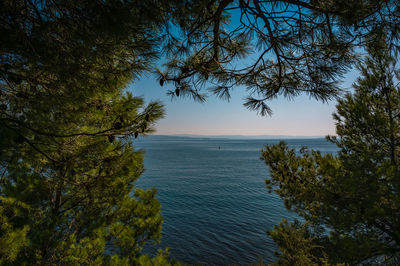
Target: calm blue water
{"x": 215, "y": 205}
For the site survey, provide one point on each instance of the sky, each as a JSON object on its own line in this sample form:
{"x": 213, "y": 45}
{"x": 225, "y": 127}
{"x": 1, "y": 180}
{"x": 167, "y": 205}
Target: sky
{"x": 301, "y": 116}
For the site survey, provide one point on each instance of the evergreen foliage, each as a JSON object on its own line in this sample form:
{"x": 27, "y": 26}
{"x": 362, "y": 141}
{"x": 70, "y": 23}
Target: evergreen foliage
{"x": 272, "y": 48}
{"x": 350, "y": 202}
{"x": 67, "y": 164}
{"x": 68, "y": 167}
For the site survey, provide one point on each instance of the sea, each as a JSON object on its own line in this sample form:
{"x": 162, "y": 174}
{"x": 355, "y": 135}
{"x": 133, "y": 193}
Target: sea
{"x": 215, "y": 204}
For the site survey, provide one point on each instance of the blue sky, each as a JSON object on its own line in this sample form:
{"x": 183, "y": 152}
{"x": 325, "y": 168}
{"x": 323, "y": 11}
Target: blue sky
{"x": 301, "y": 116}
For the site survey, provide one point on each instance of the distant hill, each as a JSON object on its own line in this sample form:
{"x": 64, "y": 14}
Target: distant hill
{"x": 241, "y": 136}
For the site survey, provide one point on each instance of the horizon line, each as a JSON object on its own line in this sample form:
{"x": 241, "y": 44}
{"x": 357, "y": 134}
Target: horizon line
{"x": 242, "y": 135}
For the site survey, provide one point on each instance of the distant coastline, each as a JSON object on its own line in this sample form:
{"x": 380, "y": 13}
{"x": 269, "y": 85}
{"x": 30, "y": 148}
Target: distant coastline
{"x": 238, "y": 136}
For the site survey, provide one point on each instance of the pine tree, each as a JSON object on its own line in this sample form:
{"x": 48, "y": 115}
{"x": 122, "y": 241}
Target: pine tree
{"x": 271, "y": 48}
{"x": 68, "y": 167}
{"x": 350, "y": 202}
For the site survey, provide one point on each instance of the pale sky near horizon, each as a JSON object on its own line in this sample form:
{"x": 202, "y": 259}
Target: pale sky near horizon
{"x": 301, "y": 116}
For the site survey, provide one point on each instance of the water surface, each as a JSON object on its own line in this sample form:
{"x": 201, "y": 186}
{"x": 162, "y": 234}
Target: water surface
{"x": 215, "y": 205}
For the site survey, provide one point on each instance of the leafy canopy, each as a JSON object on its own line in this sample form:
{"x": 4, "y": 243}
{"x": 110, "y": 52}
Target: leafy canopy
{"x": 67, "y": 192}
{"x": 271, "y": 48}
{"x": 350, "y": 202}
{"x": 68, "y": 167}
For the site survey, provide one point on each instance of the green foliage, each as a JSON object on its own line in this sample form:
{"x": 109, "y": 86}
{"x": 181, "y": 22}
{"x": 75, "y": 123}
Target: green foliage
{"x": 272, "y": 48}
{"x": 350, "y": 201}
{"x": 297, "y": 245}
{"x": 67, "y": 164}
{"x": 12, "y": 239}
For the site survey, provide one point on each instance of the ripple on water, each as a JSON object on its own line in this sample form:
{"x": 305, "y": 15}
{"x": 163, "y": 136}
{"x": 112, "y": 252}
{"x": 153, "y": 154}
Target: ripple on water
{"x": 215, "y": 206}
